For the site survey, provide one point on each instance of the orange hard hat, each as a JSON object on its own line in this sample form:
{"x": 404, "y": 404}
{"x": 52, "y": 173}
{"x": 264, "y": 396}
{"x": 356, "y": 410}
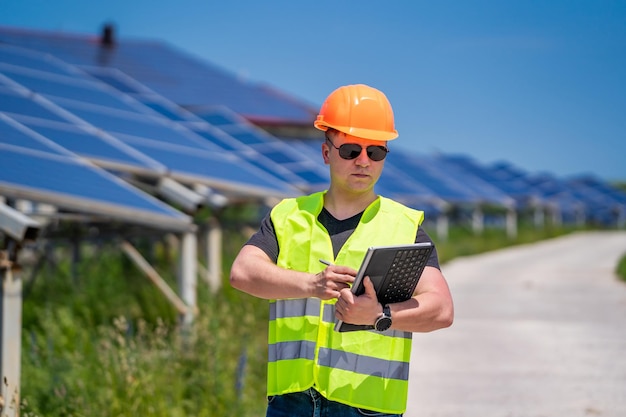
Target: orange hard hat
{"x": 358, "y": 110}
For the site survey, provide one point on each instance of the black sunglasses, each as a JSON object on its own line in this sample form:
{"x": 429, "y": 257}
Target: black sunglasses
{"x": 353, "y": 150}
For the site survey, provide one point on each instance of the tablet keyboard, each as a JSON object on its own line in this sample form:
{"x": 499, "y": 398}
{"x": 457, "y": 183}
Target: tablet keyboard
{"x": 405, "y": 270}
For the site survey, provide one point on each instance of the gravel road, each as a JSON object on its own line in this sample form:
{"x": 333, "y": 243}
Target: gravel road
{"x": 539, "y": 331}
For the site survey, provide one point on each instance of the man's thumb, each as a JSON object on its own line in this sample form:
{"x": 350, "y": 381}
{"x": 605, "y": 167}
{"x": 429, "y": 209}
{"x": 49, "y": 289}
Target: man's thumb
{"x": 369, "y": 287}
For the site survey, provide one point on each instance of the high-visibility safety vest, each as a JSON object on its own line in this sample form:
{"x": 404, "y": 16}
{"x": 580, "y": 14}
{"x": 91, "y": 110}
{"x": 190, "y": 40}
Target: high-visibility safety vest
{"x": 363, "y": 369}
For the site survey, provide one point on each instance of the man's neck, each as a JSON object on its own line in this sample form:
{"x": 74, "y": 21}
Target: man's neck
{"x": 343, "y": 205}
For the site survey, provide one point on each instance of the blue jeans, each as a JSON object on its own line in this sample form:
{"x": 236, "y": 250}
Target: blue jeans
{"x": 310, "y": 403}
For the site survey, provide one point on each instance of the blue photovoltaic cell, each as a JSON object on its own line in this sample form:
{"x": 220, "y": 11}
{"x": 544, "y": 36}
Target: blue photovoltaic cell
{"x": 422, "y": 170}
{"x": 144, "y": 127}
{"x": 512, "y": 186}
{"x": 179, "y": 151}
{"x": 169, "y": 72}
{"x": 217, "y": 140}
{"x": 270, "y": 151}
{"x": 216, "y": 119}
{"x": 13, "y": 103}
{"x": 115, "y": 82}
{"x": 68, "y": 176}
{"x": 12, "y": 135}
{"x": 313, "y": 178}
{"x": 28, "y": 59}
{"x": 247, "y": 137}
{"x": 265, "y": 156}
{"x": 164, "y": 111}
{"x": 83, "y": 92}
{"x": 613, "y": 193}
{"x": 281, "y": 157}
{"x": 219, "y": 168}
{"x": 91, "y": 146}
{"x": 486, "y": 191}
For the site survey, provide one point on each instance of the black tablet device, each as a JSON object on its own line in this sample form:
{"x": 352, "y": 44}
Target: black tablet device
{"x": 394, "y": 271}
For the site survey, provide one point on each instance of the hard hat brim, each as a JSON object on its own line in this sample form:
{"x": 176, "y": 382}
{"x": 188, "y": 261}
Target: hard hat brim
{"x": 358, "y": 132}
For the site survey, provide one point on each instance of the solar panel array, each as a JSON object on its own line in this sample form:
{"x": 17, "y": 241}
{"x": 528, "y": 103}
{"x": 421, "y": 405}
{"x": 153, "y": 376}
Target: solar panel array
{"x": 124, "y": 110}
{"x": 88, "y": 118}
{"x": 35, "y": 169}
{"x": 172, "y": 73}
{"x": 227, "y": 131}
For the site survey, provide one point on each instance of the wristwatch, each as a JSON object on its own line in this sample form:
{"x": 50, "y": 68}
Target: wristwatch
{"x": 384, "y": 321}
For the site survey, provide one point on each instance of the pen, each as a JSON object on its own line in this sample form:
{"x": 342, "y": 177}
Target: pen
{"x": 325, "y": 262}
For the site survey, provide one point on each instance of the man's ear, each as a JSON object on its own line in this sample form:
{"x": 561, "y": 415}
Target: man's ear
{"x": 325, "y": 153}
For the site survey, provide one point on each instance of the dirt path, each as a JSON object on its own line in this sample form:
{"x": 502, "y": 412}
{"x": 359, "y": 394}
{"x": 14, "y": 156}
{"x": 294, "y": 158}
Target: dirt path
{"x": 540, "y": 331}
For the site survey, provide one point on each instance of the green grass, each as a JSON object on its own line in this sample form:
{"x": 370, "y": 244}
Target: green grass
{"x": 102, "y": 341}
{"x": 107, "y": 343}
{"x": 621, "y": 268}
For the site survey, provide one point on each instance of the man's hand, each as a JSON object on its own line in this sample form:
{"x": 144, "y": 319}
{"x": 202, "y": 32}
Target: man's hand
{"x": 364, "y": 309}
{"x": 332, "y": 280}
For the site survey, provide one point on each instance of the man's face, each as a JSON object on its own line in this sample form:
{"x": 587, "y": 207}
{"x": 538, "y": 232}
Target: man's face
{"x": 356, "y": 175}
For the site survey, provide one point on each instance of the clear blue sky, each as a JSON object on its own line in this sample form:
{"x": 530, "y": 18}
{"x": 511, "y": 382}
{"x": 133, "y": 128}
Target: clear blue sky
{"x": 541, "y": 84}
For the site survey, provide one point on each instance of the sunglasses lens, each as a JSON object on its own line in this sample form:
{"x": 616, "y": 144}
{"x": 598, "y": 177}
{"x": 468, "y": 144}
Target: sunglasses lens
{"x": 349, "y": 150}
{"x": 376, "y": 153}
{"x": 352, "y": 151}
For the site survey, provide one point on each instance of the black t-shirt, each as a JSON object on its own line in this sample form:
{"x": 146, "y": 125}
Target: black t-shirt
{"x": 338, "y": 230}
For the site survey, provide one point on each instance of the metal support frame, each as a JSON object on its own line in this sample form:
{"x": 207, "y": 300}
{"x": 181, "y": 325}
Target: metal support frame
{"x": 511, "y": 223}
{"x": 478, "y": 220}
{"x": 10, "y": 339}
{"x": 15, "y": 227}
{"x": 188, "y": 274}
{"x": 214, "y": 255}
{"x": 443, "y": 225}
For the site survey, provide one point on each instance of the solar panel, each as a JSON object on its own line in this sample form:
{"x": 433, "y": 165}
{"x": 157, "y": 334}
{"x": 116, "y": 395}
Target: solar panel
{"x": 233, "y": 133}
{"x": 607, "y": 204}
{"x": 169, "y": 72}
{"x": 97, "y": 146}
{"x": 17, "y": 103}
{"x": 279, "y": 152}
{"x": 613, "y": 193}
{"x": 475, "y": 180}
{"x": 12, "y": 133}
{"x": 218, "y": 170}
{"x": 133, "y": 133}
{"x": 68, "y": 88}
{"x": 424, "y": 171}
{"x": 69, "y": 183}
{"x": 11, "y": 55}
{"x": 157, "y": 76}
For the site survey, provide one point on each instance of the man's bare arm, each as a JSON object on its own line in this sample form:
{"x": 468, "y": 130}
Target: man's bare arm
{"x": 429, "y": 309}
{"x": 254, "y": 272}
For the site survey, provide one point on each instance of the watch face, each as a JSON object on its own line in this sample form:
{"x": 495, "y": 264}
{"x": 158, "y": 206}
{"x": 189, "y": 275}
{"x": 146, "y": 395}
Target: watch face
{"x": 383, "y": 323}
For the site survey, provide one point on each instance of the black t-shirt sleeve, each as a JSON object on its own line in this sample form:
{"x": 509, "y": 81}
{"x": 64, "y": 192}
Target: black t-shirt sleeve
{"x": 421, "y": 237}
{"x": 265, "y": 239}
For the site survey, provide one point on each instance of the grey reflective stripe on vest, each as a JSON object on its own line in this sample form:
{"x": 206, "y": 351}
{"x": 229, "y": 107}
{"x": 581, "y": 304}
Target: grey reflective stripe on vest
{"x": 291, "y": 350}
{"x": 398, "y": 333}
{"x": 329, "y": 313}
{"x": 300, "y": 307}
{"x": 365, "y": 365}
{"x": 297, "y": 307}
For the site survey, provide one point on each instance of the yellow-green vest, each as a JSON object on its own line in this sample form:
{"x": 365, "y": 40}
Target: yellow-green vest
{"x": 364, "y": 369}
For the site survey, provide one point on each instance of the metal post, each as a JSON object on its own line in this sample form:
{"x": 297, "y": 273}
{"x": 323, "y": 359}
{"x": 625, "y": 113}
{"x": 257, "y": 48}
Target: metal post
{"x": 442, "y": 227}
{"x": 188, "y": 273}
{"x": 511, "y": 223}
{"x": 214, "y": 255}
{"x": 478, "y": 220}
{"x": 539, "y": 216}
{"x": 10, "y": 339}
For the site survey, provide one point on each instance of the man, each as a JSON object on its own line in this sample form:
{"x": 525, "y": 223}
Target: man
{"x": 312, "y": 369}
